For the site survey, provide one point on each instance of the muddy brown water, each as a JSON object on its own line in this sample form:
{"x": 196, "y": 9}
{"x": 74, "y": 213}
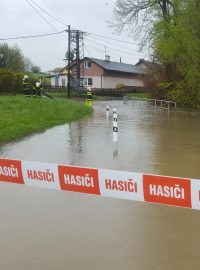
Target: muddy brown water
{"x": 48, "y": 230}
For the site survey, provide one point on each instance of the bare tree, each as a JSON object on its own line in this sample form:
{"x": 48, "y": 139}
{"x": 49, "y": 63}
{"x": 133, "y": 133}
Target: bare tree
{"x": 27, "y": 64}
{"x": 131, "y": 12}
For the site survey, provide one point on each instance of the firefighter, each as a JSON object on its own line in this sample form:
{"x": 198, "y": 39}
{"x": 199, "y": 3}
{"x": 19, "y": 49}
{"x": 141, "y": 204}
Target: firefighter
{"x": 89, "y": 97}
{"x": 26, "y": 86}
{"x": 38, "y": 87}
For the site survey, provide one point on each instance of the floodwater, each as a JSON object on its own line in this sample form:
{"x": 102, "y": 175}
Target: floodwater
{"x": 47, "y": 230}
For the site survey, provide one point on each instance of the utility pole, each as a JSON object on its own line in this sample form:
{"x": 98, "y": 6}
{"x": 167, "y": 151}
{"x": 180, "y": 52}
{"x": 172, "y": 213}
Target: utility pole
{"x": 78, "y": 59}
{"x": 75, "y": 48}
{"x": 69, "y": 62}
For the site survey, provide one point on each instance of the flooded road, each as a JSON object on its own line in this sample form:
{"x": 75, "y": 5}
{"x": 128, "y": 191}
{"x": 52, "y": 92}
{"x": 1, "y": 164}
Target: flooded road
{"x": 45, "y": 229}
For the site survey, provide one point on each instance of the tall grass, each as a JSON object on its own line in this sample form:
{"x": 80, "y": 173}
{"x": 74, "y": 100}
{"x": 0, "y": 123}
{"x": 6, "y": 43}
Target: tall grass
{"x": 21, "y": 116}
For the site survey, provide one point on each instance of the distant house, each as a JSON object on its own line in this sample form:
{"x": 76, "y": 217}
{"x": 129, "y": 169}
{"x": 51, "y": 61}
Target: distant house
{"x": 101, "y": 74}
{"x": 145, "y": 65}
{"x": 55, "y": 76}
{"x": 59, "y": 77}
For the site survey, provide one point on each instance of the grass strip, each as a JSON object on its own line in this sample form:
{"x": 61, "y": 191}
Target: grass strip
{"x": 21, "y": 116}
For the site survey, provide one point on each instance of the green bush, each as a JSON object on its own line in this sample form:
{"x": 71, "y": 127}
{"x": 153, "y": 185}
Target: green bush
{"x": 10, "y": 82}
{"x": 120, "y": 86}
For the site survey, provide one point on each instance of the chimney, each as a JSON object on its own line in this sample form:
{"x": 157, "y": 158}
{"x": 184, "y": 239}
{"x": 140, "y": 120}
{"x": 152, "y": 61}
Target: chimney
{"x": 107, "y": 58}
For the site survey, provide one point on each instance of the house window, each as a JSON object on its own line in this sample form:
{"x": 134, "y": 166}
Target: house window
{"x": 87, "y": 64}
{"x": 88, "y": 81}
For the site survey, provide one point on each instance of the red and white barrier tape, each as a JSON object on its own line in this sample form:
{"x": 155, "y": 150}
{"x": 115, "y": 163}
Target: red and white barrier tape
{"x": 108, "y": 183}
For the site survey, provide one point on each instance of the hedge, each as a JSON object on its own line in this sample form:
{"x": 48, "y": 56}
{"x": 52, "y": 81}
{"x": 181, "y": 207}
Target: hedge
{"x": 10, "y": 82}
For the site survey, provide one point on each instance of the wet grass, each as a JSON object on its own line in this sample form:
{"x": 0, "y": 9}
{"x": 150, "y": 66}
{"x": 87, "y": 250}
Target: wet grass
{"x": 21, "y": 116}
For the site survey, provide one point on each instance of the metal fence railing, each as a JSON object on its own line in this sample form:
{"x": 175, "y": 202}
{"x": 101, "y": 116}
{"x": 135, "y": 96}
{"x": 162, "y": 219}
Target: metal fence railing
{"x": 164, "y": 104}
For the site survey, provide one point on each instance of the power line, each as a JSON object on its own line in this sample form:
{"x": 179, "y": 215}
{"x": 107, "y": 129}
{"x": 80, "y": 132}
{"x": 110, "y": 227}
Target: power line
{"x": 41, "y": 16}
{"x": 113, "y": 38}
{"x": 53, "y": 4}
{"x": 108, "y": 47}
{"x": 103, "y": 51}
{"x": 89, "y": 53}
{"x": 53, "y": 8}
{"x": 100, "y": 50}
{"x": 59, "y": 8}
{"x": 114, "y": 45}
{"x": 48, "y": 13}
{"x": 33, "y": 36}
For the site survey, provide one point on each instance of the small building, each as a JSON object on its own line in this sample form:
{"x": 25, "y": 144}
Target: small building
{"x": 56, "y": 77}
{"x": 59, "y": 77}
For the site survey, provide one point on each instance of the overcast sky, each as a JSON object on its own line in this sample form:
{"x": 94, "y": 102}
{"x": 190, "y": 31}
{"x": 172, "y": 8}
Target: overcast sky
{"x": 19, "y": 18}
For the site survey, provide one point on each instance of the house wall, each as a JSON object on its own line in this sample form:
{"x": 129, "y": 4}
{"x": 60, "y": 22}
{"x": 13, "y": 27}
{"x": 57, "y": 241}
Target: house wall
{"x": 53, "y": 83}
{"x": 107, "y": 79}
{"x": 95, "y": 70}
{"x": 111, "y": 82}
{"x": 112, "y": 78}
{"x": 60, "y": 82}
{"x": 96, "y": 81}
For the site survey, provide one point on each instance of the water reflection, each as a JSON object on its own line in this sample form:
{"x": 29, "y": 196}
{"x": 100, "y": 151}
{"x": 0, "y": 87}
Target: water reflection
{"x": 115, "y": 150}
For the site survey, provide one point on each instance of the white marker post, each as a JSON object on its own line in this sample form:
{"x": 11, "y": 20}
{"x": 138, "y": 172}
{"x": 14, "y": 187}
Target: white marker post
{"x": 107, "y": 111}
{"x": 115, "y": 127}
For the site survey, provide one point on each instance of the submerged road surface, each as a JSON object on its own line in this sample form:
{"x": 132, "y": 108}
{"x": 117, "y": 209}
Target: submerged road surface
{"x": 45, "y": 229}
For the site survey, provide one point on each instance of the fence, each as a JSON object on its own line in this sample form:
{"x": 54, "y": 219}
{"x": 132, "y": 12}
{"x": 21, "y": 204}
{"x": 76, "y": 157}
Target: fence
{"x": 54, "y": 88}
{"x": 164, "y": 104}
{"x": 96, "y": 91}
{"x": 107, "y": 92}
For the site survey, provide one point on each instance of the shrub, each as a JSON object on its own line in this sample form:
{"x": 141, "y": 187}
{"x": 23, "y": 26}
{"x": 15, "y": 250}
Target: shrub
{"x": 10, "y": 82}
{"x": 120, "y": 86}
